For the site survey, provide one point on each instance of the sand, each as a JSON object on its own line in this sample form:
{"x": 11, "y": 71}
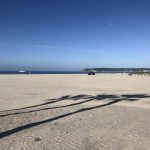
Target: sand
{"x": 74, "y": 112}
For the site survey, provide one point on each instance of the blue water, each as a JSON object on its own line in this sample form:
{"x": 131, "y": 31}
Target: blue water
{"x": 56, "y": 72}
{"x": 62, "y": 70}
{"x": 42, "y": 72}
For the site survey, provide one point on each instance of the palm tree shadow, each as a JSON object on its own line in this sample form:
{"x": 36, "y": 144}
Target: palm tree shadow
{"x": 87, "y": 98}
{"x": 98, "y": 97}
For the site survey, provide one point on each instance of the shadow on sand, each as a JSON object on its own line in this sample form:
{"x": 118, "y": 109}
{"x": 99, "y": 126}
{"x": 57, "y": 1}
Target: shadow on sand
{"x": 85, "y": 98}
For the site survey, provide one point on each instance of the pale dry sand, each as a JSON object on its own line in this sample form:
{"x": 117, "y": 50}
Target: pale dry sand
{"x": 74, "y": 112}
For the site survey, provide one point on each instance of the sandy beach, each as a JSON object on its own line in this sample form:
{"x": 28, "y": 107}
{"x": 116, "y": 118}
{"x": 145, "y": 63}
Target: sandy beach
{"x": 74, "y": 112}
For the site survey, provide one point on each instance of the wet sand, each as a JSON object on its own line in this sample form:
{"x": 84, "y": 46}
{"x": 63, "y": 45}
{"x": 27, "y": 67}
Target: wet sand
{"x": 74, "y": 112}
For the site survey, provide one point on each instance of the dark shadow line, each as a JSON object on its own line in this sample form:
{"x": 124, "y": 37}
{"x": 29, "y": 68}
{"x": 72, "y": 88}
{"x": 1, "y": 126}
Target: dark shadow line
{"x": 17, "y": 113}
{"x": 99, "y": 97}
{"x": 27, "y": 126}
{"x": 83, "y": 96}
{"x": 51, "y": 102}
{"x": 32, "y": 106}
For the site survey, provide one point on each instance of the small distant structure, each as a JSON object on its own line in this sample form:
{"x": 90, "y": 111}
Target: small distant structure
{"x": 89, "y": 71}
{"x": 146, "y": 72}
{"x": 140, "y": 72}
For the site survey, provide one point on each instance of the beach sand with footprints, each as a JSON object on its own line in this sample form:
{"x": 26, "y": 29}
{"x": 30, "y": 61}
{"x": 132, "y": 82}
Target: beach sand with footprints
{"x": 74, "y": 112}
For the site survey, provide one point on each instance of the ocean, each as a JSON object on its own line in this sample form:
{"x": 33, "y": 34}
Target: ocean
{"x": 42, "y": 72}
{"x": 55, "y": 72}
{"x": 62, "y": 70}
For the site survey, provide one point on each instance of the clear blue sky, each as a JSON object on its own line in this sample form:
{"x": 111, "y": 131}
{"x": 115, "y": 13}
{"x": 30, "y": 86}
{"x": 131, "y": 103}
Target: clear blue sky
{"x": 84, "y": 33}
